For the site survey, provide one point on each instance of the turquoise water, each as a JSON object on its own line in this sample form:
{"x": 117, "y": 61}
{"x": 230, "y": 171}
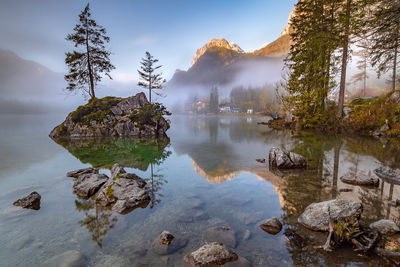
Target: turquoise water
{"x": 205, "y": 175}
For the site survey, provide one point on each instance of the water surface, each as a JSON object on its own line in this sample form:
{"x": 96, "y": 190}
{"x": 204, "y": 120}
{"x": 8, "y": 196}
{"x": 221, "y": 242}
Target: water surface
{"x": 205, "y": 175}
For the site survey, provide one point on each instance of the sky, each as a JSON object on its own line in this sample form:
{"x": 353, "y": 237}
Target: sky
{"x": 171, "y": 30}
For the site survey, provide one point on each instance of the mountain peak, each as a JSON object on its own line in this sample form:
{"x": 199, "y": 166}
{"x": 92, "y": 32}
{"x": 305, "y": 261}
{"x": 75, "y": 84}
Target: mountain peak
{"x": 223, "y": 43}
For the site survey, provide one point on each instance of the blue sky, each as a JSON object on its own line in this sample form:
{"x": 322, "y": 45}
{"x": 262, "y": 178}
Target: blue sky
{"x": 172, "y": 30}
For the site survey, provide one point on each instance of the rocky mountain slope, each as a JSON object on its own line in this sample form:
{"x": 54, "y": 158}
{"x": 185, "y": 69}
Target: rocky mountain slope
{"x": 218, "y": 62}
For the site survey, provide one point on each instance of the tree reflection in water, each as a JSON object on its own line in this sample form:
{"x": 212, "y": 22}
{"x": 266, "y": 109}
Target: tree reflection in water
{"x": 103, "y": 153}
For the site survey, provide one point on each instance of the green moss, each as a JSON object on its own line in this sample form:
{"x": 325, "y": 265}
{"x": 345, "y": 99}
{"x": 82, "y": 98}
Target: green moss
{"x": 119, "y": 176}
{"x": 62, "y": 130}
{"x": 96, "y": 109}
{"x": 110, "y": 192}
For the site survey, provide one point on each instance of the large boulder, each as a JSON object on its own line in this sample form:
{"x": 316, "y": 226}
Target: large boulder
{"x": 86, "y": 185}
{"x": 124, "y": 193}
{"x": 272, "y": 226}
{"x": 211, "y": 254}
{"x": 317, "y": 215}
{"x": 111, "y": 116}
{"x": 359, "y": 179}
{"x": 32, "y": 201}
{"x": 388, "y": 174}
{"x": 283, "y": 159}
{"x": 385, "y": 227}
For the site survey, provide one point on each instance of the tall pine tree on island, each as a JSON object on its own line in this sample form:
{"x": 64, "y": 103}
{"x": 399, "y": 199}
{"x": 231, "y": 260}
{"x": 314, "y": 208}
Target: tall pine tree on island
{"x": 149, "y": 79}
{"x": 85, "y": 66}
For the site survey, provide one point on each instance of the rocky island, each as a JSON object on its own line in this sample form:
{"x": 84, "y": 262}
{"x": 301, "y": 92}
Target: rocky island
{"x": 113, "y": 116}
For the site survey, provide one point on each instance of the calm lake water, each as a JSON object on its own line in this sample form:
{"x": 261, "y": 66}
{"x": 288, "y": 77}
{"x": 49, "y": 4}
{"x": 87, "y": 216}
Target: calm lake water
{"x": 206, "y": 175}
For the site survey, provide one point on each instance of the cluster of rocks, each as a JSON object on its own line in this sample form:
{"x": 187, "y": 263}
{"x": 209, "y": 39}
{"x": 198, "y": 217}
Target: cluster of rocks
{"x": 117, "y": 122}
{"x": 123, "y": 191}
{"x": 282, "y": 159}
{"x": 341, "y": 218}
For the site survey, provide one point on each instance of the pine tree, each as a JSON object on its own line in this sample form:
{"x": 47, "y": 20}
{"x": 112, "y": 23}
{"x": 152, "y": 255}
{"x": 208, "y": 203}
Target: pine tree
{"x": 85, "y": 66}
{"x": 149, "y": 79}
{"x": 385, "y": 38}
{"x": 311, "y": 61}
{"x": 362, "y": 65}
{"x": 351, "y": 15}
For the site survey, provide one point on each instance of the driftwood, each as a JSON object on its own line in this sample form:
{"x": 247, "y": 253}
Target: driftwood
{"x": 347, "y": 230}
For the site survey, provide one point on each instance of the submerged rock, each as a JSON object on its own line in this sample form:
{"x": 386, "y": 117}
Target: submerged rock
{"x": 71, "y": 258}
{"x": 260, "y": 160}
{"x": 272, "y": 226}
{"x": 123, "y": 194}
{"x": 77, "y": 173}
{"x": 32, "y": 201}
{"x": 212, "y": 254}
{"x": 111, "y": 116}
{"x": 240, "y": 262}
{"x": 388, "y": 174}
{"x": 253, "y": 218}
{"x": 166, "y": 243}
{"x": 385, "y": 227}
{"x": 283, "y": 159}
{"x": 87, "y": 185}
{"x": 359, "y": 179}
{"x": 223, "y": 234}
{"x": 316, "y": 216}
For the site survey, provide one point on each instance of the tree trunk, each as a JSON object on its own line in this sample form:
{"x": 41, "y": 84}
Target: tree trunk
{"x": 344, "y": 60}
{"x": 92, "y": 95}
{"x": 150, "y": 87}
{"x": 365, "y": 76}
{"x": 395, "y": 66}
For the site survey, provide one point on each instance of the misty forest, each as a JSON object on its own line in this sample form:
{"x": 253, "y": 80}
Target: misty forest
{"x": 133, "y": 133}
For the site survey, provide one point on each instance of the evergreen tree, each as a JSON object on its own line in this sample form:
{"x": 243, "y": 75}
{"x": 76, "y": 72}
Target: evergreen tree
{"x": 385, "y": 38}
{"x": 214, "y": 100}
{"x": 85, "y": 66}
{"x": 311, "y": 61}
{"x": 149, "y": 79}
{"x": 351, "y": 15}
{"x": 362, "y": 65}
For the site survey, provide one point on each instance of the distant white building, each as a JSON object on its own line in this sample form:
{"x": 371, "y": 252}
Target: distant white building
{"x": 250, "y": 111}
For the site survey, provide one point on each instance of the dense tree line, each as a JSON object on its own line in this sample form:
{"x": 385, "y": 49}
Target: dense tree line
{"x": 256, "y": 98}
{"x": 323, "y": 32}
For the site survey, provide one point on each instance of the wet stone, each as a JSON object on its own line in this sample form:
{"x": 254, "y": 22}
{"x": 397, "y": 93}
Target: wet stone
{"x": 117, "y": 169}
{"x": 166, "y": 243}
{"x": 283, "y": 159}
{"x": 32, "y": 201}
{"x": 86, "y": 185}
{"x": 385, "y": 227}
{"x": 359, "y": 179}
{"x": 212, "y": 254}
{"x": 77, "y": 173}
{"x": 316, "y": 215}
{"x": 271, "y": 226}
{"x": 223, "y": 234}
{"x": 260, "y": 160}
{"x": 240, "y": 262}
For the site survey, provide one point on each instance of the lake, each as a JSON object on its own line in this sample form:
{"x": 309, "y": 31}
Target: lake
{"x": 204, "y": 175}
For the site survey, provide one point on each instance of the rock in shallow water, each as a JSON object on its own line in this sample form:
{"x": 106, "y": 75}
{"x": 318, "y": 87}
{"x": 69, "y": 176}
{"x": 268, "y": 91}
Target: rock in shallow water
{"x": 124, "y": 194}
{"x": 87, "y": 185}
{"x": 71, "y": 258}
{"x": 166, "y": 243}
{"x": 283, "y": 159}
{"x": 32, "y": 201}
{"x": 116, "y": 170}
{"x": 212, "y": 254}
{"x": 316, "y": 216}
{"x": 223, "y": 234}
{"x": 272, "y": 226}
{"x": 359, "y": 179}
{"x": 77, "y": 173}
{"x": 388, "y": 175}
{"x": 385, "y": 227}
